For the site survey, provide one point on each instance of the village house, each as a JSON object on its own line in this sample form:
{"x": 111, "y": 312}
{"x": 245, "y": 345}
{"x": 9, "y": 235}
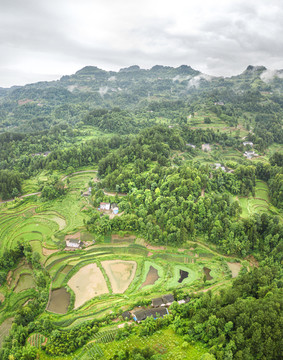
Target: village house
{"x": 250, "y": 154}
{"x": 104, "y": 206}
{"x": 126, "y": 315}
{"x": 165, "y": 300}
{"x": 219, "y": 166}
{"x": 206, "y": 147}
{"x": 157, "y": 302}
{"x": 191, "y": 145}
{"x": 245, "y": 143}
{"x": 73, "y": 243}
{"x": 140, "y": 315}
{"x": 184, "y": 301}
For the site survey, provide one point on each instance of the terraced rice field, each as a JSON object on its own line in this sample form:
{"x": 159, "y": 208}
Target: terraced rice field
{"x": 101, "y": 278}
{"x": 257, "y": 204}
{"x": 43, "y": 222}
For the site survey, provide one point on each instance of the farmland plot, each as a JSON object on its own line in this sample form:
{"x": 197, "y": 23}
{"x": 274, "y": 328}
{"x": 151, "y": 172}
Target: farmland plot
{"x": 120, "y": 273}
{"x": 87, "y": 283}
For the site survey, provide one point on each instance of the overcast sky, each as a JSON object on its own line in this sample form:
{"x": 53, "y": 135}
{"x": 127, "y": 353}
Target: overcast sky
{"x": 45, "y": 39}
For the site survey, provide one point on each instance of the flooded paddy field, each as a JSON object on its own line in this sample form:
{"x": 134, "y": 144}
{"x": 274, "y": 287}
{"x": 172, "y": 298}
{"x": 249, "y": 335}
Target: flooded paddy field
{"x": 59, "y": 301}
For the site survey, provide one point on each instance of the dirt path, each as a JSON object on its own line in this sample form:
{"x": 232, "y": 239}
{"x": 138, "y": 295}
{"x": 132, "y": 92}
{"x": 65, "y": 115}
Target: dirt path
{"x": 212, "y": 287}
{"x": 202, "y": 192}
{"x": 208, "y": 248}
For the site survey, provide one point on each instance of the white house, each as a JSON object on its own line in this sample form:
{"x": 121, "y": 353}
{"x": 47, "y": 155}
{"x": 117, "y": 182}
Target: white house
{"x": 250, "y": 154}
{"x": 245, "y": 143}
{"x": 73, "y": 243}
{"x": 104, "y": 206}
{"x": 191, "y": 145}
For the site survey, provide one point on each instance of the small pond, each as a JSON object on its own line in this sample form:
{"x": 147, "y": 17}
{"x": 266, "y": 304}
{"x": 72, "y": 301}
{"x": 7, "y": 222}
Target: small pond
{"x": 183, "y": 275}
{"x": 207, "y": 273}
{"x": 151, "y": 277}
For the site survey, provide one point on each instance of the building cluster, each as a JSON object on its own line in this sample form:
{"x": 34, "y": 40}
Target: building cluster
{"x": 159, "y": 308}
{"x": 250, "y": 154}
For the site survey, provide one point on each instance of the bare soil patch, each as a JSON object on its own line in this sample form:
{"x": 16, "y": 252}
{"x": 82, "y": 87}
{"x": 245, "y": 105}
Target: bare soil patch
{"x": 120, "y": 274}
{"x": 151, "y": 247}
{"x": 252, "y": 260}
{"x": 47, "y": 252}
{"x": 149, "y": 254}
{"x": 87, "y": 283}
{"x": 9, "y": 277}
{"x": 74, "y": 236}
{"x": 235, "y": 268}
{"x": 2, "y": 297}
{"x": 151, "y": 277}
{"x": 207, "y": 273}
{"x": 59, "y": 301}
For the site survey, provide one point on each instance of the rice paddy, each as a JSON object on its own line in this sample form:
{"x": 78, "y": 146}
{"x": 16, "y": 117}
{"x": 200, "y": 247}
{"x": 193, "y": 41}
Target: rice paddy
{"x": 120, "y": 274}
{"x": 59, "y": 301}
{"x": 257, "y": 204}
{"x": 87, "y": 283}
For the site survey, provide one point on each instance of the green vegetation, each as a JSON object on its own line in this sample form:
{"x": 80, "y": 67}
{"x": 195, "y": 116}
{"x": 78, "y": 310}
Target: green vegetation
{"x": 196, "y": 217}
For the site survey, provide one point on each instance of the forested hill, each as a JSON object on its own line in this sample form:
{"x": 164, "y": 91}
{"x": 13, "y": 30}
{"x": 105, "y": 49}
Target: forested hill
{"x": 69, "y": 98}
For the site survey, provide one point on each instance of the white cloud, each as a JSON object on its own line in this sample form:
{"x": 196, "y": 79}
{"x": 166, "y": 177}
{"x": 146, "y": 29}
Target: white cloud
{"x": 41, "y": 39}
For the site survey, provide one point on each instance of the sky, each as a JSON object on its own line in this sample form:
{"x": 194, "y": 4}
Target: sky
{"x": 43, "y": 40}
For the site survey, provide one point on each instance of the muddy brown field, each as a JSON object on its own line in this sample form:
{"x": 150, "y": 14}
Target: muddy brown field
{"x": 151, "y": 277}
{"x": 120, "y": 274}
{"x": 87, "y": 283}
{"x": 59, "y": 301}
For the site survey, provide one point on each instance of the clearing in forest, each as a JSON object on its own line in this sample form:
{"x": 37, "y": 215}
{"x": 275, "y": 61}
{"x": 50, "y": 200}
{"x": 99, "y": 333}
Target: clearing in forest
{"x": 87, "y": 283}
{"x": 120, "y": 274}
{"x": 235, "y": 268}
